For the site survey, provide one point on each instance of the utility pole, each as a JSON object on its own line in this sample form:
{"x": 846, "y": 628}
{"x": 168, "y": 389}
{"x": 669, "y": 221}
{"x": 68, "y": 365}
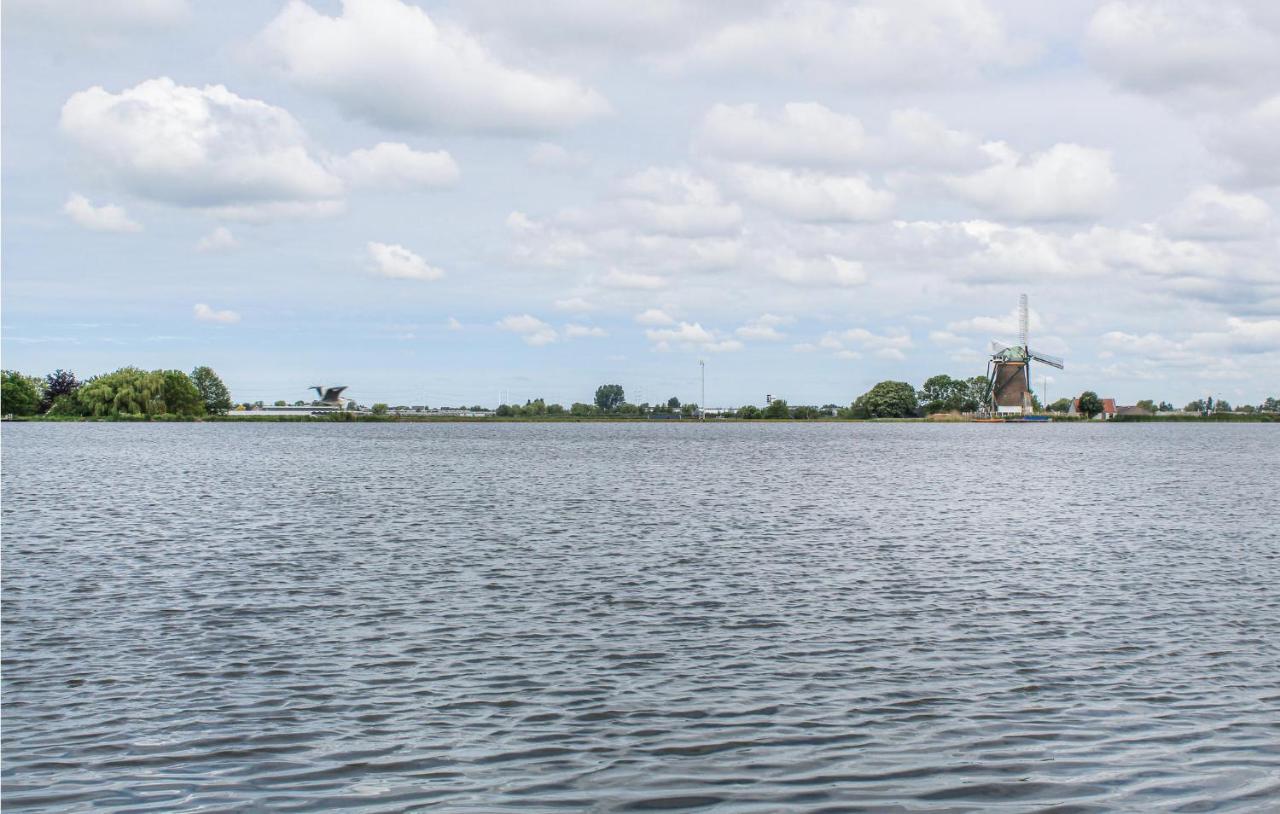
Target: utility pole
{"x": 702, "y": 405}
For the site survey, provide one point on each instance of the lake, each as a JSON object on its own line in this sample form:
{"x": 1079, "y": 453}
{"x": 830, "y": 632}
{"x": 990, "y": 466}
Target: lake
{"x": 640, "y": 617}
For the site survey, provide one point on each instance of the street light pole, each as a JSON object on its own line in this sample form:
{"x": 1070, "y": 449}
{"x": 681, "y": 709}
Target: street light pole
{"x": 702, "y": 406}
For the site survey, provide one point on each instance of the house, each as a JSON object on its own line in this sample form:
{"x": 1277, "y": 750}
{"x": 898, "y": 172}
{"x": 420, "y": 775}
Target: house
{"x": 1108, "y": 408}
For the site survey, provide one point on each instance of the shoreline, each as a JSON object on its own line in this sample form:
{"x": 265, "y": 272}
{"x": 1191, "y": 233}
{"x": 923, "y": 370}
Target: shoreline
{"x": 348, "y": 418}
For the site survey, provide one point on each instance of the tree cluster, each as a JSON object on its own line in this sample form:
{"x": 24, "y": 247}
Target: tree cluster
{"x": 129, "y": 391}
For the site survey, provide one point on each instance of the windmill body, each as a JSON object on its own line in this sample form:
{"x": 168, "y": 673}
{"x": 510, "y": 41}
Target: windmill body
{"x": 1009, "y": 371}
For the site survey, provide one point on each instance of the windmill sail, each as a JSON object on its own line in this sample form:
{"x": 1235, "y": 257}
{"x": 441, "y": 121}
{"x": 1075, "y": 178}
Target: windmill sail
{"x": 1052, "y": 361}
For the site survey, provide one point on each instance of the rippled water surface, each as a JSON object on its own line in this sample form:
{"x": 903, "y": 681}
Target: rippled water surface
{"x": 632, "y": 617}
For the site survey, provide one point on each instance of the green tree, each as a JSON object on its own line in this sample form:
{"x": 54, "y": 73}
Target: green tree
{"x": 1165, "y": 407}
{"x": 1196, "y": 406}
{"x": 1090, "y": 404}
{"x": 1146, "y": 404}
{"x": 1270, "y": 405}
{"x": 975, "y": 394}
{"x": 1222, "y": 406}
{"x": 60, "y": 384}
{"x": 18, "y": 394}
{"x": 749, "y": 411}
{"x": 805, "y": 412}
{"x": 776, "y": 409}
{"x": 942, "y": 393}
{"x": 888, "y": 399}
{"x": 180, "y": 394}
{"x": 379, "y": 409}
{"x": 609, "y": 397}
{"x": 688, "y": 410}
{"x": 555, "y": 409}
{"x": 130, "y": 391}
{"x": 281, "y": 403}
{"x": 1060, "y": 406}
{"x": 581, "y": 410}
{"x": 504, "y": 410}
{"x": 213, "y": 393}
{"x": 673, "y": 403}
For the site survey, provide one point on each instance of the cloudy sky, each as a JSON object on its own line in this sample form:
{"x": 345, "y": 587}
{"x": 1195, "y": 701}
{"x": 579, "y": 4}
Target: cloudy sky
{"x": 444, "y": 202}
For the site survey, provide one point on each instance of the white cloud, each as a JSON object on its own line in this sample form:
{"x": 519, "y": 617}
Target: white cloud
{"x": 811, "y": 196}
{"x": 574, "y": 304}
{"x": 550, "y": 156}
{"x": 219, "y": 240}
{"x": 690, "y": 336}
{"x": 824, "y": 271}
{"x": 1066, "y": 181}
{"x": 393, "y": 64}
{"x": 100, "y": 15}
{"x": 764, "y": 328}
{"x": 532, "y": 330}
{"x": 1252, "y": 141}
{"x": 105, "y": 218}
{"x": 197, "y": 146}
{"x": 808, "y": 134}
{"x": 804, "y": 133}
{"x": 1211, "y": 213}
{"x": 573, "y": 331}
{"x": 617, "y": 278}
{"x": 672, "y": 201}
{"x": 391, "y": 260}
{"x": 878, "y": 42}
{"x": 1003, "y": 327}
{"x": 393, "y": 165}
{"x": 1192, "y": 45}
{"x": 204, "y": 313}
{"x": 453, "y": 324}
{"x": 654, "y": 316}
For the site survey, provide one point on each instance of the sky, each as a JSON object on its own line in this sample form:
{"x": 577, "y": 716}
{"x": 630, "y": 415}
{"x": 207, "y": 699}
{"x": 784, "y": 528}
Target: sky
{"x": 457, "y": 203}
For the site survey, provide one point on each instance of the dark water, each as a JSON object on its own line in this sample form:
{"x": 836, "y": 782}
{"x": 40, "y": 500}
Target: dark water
{"x": 641, "y": 617}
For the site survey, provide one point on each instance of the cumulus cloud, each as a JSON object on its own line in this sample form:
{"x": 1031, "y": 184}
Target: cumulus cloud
{"x": 811, "y": 196}
{"x": 852, "y": 343}
{"x": 1194, "y": 46}
{"x": 1066, "y": 181}
{"x": 823, "y": 271}
{"x": 101, "y": 15}
{"x": 573, "y": 304}
{"x": 617, "y": 278}
{"x": 391, "y": 63}
{"x": 396, "y": 261}
{"x": 532, "y": 330}
{"x": 395, "y": 165}
{"x": 575, "y": 331}
{"x": 219, "y": 240}
{"x": 197, "y": 146}
{"x": 764, "y": 328}
{"x": 1252, "y": 141}
{"x": 105, "y": 218}
{"x": 654, "y": 316}
{"x": 690, "y": 336}
{"x": 880, "y": 42}
{"x": 808, "y": 134}
{"x": 804, "y": 133}
{"x": 1211, "y": 213}
{"x": 204, "y": 313}
{"x": 674, "y": 201}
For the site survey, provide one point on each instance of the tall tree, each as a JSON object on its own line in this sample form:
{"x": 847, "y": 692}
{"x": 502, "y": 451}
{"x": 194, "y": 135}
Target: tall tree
{"x": 213, "y": 393}
{"x": 58, "y": 384}
{"x": 887, "y": 400}
{"x": 610, "y": 397}
{"x": 1090, "y": 404}
{"x": 942, "y": 393}
{"x": 776, "y": 409}
{"x": 673, "y": 403}
{"x": 18, "y": 394}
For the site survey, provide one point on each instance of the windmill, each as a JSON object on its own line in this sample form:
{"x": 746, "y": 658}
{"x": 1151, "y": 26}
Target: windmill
{"x": 1009, "y": 370}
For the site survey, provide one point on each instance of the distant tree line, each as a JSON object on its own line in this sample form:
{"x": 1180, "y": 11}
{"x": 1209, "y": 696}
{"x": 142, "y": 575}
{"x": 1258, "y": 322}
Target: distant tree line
{"x": 127, "y": 392}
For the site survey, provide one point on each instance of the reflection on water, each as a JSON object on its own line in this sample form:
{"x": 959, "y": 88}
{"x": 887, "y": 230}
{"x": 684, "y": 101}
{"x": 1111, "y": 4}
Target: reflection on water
{"x": 636, "y": 617}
